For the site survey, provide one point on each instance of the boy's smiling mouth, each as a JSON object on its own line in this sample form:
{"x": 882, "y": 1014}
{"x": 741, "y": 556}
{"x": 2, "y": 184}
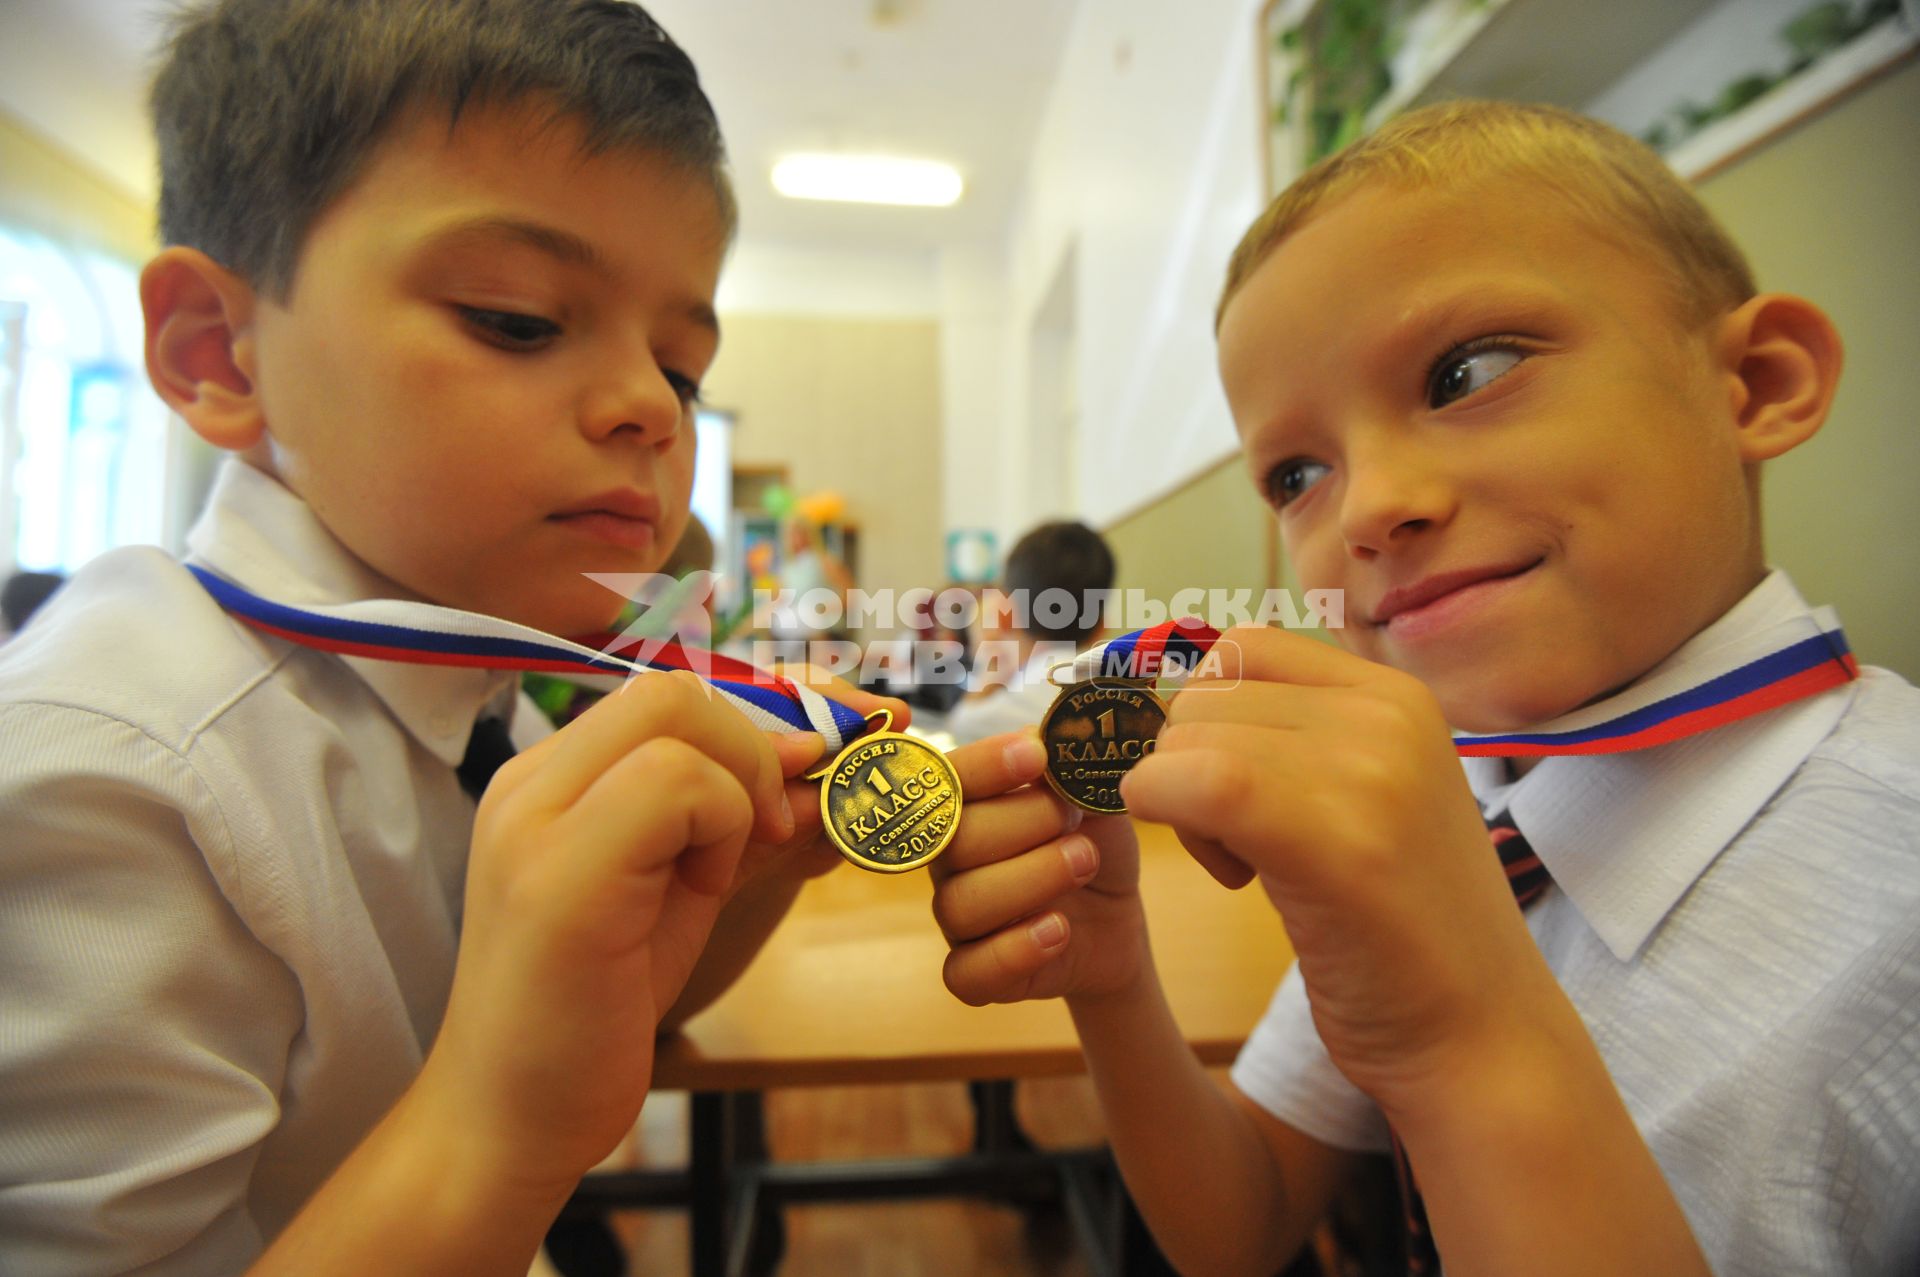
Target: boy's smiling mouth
{"x": 625, "y": 517}
{"x": 1408, "y": 610}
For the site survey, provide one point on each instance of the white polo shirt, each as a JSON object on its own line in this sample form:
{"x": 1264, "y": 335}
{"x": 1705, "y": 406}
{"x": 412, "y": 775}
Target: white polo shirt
{"x": 1737, "y": 918}
{"x": 230, "y": 884}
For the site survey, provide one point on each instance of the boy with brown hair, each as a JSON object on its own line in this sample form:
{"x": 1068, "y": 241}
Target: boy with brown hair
{"x": 1508, "y": 386}
{"x": 1051, "y": 588}
{"x": 441, "y": 275}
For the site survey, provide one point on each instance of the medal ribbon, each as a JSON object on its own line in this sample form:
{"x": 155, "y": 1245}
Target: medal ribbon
{"x": 1145, "y": 653}
{"x": 1779, "y": 665}
{"x": 423, "y": 634}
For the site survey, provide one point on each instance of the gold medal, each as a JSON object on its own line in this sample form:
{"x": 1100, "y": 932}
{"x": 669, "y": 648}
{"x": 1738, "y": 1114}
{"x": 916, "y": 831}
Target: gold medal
{"x": 890, "y": 802}
{"x": 1094, "y": 733}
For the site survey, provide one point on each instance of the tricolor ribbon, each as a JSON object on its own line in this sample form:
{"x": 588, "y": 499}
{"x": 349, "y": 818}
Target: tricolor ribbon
{"x": 1737, "y": 680}
{"x": 424, "y": 634}
{"x": 1173, "y": 645}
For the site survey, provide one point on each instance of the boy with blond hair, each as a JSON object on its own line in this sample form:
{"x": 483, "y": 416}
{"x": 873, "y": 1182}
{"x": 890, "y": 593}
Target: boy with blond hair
{"x": 1506, "y": 384}
{"x": 274, "y": 998}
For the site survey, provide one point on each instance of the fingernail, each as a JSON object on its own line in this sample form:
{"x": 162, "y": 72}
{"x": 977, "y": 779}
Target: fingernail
{"x": 1075, "y": 814}
{"x": 786, "y": 811}
{"x": 1024, "y": 755}
{"x": 1049, "y": 932}
{"x": 1082, "y": 859}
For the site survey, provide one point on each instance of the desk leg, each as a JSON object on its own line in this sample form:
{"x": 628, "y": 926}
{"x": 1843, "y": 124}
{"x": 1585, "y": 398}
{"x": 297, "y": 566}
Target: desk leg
{"x": 996, "y": 1126}
{"x": 757, "y": 1228}
{"x": 707, "y": 1158}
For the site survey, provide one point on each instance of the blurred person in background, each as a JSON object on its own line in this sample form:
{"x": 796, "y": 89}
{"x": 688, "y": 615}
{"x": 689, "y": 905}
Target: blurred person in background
{"x": 1014, "y": 691}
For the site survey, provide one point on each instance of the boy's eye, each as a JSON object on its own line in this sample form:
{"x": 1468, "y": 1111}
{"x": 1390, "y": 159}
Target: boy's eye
{"x": 1289, "y": 481}
{"x": 509, "y": 329}
{"x": 684, "y": 386}
{"x": 1467, "y": 369}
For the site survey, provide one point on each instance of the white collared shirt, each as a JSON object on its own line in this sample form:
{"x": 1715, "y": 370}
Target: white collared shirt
{"x": 1736, "y": 916}
{"x": 1019, "y": 704}
{"x": 230, "y": 887}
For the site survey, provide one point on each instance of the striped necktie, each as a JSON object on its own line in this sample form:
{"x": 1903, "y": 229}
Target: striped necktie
{"x": 1528, "y": 879}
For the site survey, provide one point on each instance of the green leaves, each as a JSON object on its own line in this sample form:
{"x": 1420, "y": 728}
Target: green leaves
{"x": 1344, "y": 51}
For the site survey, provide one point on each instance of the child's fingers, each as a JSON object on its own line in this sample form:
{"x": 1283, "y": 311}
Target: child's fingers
{"x": 970, "y": 905}
{"x": 1224, "y": 784}
{"x": 665, "y": 801}
{"x": 1283, "y": 706}
{"x": 1264, "y": 654}
{"x": 798, "y": 752}
{"x": 656, "y": 705}
{"x": 1001, "y": 967}
{"x": 835, "y": 688}
{"x": 999, "y": 763}
{"x": 1226, "y": 868}
{"x": 1005, "y": 826}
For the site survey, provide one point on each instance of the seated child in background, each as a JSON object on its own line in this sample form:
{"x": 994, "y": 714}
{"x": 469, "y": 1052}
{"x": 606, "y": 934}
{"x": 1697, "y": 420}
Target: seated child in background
{"x": 1065, "y": 556}
{"x": 442, "y": 277}
{"x": 1507, "y": 384}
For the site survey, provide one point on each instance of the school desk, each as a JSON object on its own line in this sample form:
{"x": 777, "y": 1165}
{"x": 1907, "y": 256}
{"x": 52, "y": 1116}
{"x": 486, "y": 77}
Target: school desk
{"x": 847, "y": 992}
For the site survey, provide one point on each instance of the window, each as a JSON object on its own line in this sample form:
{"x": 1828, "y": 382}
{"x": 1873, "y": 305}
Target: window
{"x": 84, "y": 455}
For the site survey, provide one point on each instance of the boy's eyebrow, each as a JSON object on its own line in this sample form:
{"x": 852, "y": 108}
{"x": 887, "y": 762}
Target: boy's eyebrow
{"x": 1462, "y": 308}
{"x": 556, "y": 243}
{"x": 551, "y": 240}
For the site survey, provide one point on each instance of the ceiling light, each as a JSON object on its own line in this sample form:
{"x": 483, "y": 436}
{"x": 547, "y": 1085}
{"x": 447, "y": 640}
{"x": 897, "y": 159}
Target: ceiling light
{"x": 867, "y": 179}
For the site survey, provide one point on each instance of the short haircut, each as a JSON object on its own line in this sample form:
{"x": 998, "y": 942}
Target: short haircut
{"x": 265, "y": 110}
{"x": 1621, "y": 185}
{"x": 1060, "y": 556}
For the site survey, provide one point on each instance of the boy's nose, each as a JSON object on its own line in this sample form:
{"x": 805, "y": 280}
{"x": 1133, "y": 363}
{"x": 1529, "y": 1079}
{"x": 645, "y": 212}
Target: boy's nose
{"x": 637, "y": 399}
{"x": 1390, "y": 498}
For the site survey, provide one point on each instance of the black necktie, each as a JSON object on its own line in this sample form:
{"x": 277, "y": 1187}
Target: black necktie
{"x": 487, "y": 749}
{"x": 1529, "y": 880}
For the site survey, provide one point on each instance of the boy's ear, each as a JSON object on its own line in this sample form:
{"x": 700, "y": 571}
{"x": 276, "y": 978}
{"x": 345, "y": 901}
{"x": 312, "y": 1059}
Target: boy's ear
{"x": 200, "y": 346}
{"x": 1783, "y": 356}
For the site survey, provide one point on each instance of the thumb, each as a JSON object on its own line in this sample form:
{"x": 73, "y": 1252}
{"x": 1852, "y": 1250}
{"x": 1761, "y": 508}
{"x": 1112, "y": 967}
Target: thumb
{"x": 798, "y": 751}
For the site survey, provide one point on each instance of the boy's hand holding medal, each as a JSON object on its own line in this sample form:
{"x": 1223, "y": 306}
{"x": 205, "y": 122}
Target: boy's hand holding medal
{"x": 1038, "y": 899}
{"x": 601, "y": 857}
{"x": 1335, "y": 781}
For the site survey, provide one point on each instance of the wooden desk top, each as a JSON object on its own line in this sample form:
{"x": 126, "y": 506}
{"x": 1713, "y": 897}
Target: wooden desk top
{"x": 848, "y": 989}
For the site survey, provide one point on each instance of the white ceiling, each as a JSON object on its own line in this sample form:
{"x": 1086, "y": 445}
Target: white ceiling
{"x": 958, "y": 80}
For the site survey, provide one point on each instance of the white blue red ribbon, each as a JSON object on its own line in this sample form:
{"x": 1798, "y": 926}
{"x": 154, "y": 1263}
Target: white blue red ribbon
{"x": 1775, "y": 667}
{"x": 1179, "y": 644}
{"x": 423, "y": 634}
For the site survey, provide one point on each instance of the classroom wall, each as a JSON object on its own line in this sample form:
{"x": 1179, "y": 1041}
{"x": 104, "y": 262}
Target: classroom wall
{"x": 1830, "y": 211}
{"x": 46, "y": 190}
{"x": 1145, "y": 171}
{"x": 1212, "y": 533}
{"x": 851, "y": 404}
{"x": 780, "y": 279}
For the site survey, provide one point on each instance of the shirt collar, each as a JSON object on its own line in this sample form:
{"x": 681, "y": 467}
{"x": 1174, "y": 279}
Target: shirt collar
{"x": 261, "y": 536}
{"x": 1626, "y": 835}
